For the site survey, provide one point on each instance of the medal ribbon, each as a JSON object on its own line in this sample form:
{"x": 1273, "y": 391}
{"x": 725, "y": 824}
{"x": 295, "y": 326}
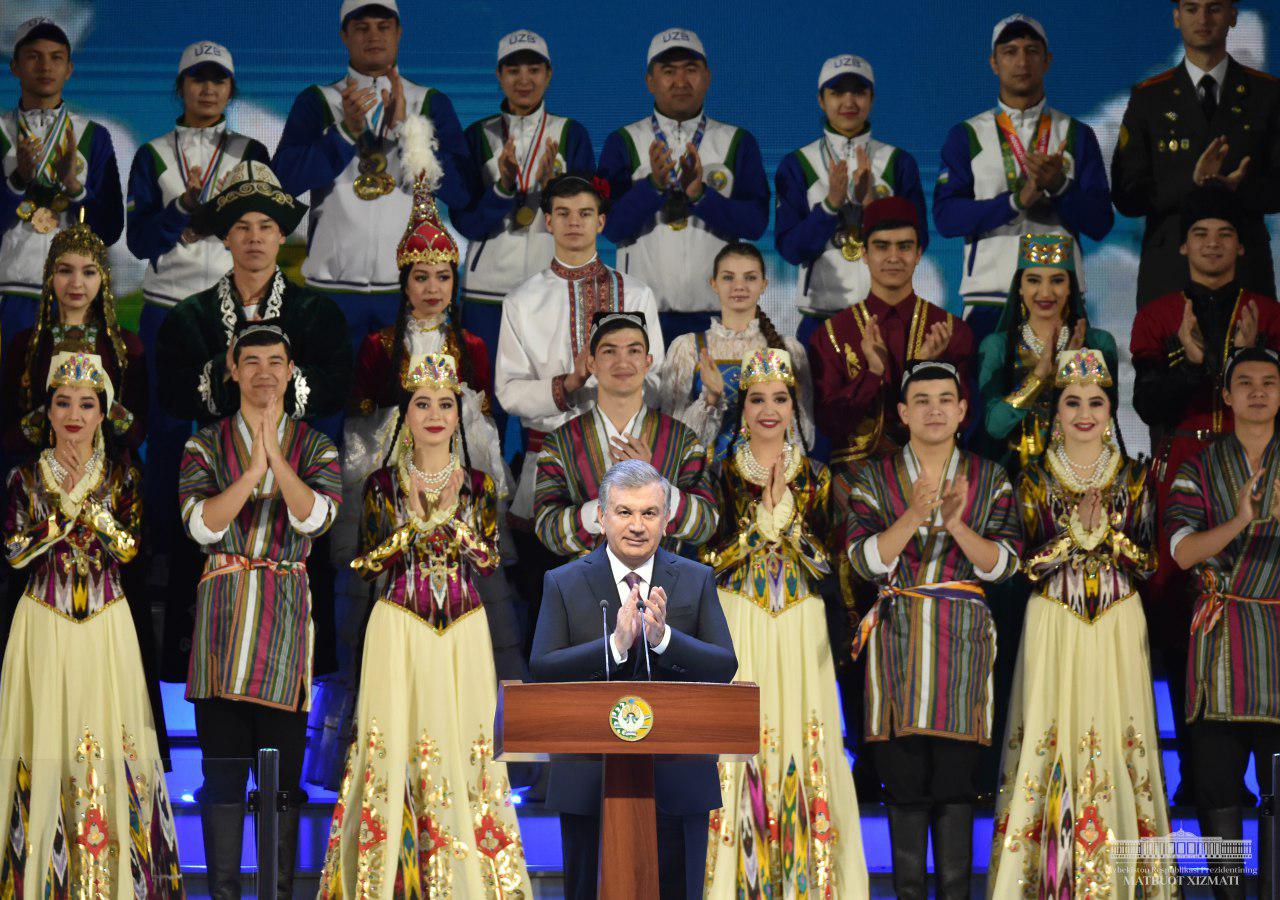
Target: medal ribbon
{"x": 53, "y": 138}
{"x": 1012, "y": 149}
{"x": 184, "y": 167}
{"x": 673, "y": 179}
{"x": 827, "y": 155}
{"x": 524, "y": 173}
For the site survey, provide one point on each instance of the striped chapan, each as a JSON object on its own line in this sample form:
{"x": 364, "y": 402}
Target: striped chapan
{"x": 575, "y": 457}
{"x": 930, "y": 636}
{"x": 252, "y": 637}
{"x": 1233, "y": 672}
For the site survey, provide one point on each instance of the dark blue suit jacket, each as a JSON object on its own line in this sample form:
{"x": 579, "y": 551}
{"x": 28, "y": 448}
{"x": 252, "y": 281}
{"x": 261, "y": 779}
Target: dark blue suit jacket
{"x": 569, "y": 645}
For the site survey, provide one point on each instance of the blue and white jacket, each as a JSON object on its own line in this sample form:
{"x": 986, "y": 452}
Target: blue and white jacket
{"x": 351, "y": 245}
{"x": 22, "y": 248}
{"x": 734, "y": 205}
{"x": 155, "y": 217}
{"x": 806, "y": 225}
{"x": 501, "y": 254}
{"x": 972, "y": 197}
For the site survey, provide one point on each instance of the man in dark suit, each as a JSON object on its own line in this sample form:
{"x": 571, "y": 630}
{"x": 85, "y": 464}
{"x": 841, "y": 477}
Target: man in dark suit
{"x": 669, "y": 602}
{"x": 1208, "y": 119}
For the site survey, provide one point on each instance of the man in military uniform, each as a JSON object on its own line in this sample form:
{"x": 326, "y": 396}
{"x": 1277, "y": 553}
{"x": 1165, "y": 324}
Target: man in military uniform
{"x": 1208, "y": 119}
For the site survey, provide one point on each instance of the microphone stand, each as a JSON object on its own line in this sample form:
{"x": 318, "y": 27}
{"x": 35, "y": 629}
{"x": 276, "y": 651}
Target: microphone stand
{"x": 604, "y": 628}
{"x": 644, "y": 639}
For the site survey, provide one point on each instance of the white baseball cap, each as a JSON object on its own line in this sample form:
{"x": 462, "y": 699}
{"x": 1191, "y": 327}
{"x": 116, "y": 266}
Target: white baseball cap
{"x": 40, "y": 23}
{"x": 202, "y": 52}
{"x": 675, "y": 39}
{"x": 1015, "y": 19}
{"x": 518, "y": 41}
{"x": 350, "y": 6}
{"x": 846, "y": 64}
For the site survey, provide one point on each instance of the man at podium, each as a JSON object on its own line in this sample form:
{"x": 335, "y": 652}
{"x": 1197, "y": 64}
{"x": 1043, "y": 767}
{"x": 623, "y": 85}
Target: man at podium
{"x": 648, "y": 594}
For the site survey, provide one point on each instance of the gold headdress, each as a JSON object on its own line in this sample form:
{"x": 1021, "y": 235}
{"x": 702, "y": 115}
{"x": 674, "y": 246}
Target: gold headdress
{"x": 432, "y": 370}
{"x": 425, "y": 240}
{"x": 83, "y": 370}
{"x": 77, "y": 238}
{"x": 1083, "y": 366}
{"x": 1052, "y": 250}
{"x": 766, "y": 365}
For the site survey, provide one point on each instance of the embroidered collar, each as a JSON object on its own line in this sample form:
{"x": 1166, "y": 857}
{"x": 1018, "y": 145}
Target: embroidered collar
{"x": 229, "y": 304}
{"x": 414, "y": 325}
{"x": 718, "y": 330}
{"x": 577, "y": 273}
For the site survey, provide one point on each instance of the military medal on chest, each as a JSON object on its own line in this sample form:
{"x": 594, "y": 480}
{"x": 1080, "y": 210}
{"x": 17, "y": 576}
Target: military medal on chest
{"x": 525, "y": 213}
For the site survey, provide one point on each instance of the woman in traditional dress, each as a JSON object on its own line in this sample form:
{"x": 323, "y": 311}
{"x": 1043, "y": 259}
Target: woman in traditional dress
{"x": 429, "y": 321}
{"x": 700, "y": 373}
{"x": 1082, "y": 765}
{"x": 1044, "y": 314}
{"x": 77, "y": 314}
{"x": 790, "y": 818}
{"x": 82, "y": 789}
{"x": 423, "y": 806}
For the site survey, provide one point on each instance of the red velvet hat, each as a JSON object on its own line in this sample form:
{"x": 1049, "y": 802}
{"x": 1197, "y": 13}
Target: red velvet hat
{"x": 425, "y": 240}
{"x": 896, "y": 210}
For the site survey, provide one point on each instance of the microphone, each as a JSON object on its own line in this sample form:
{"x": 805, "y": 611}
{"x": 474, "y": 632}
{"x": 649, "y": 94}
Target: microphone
{"x": 604, "y": 627}
{"x": 644, "y": 639}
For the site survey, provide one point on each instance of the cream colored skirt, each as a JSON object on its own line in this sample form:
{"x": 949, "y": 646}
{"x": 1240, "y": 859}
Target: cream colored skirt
{"x": 422, "y": 799}
{"x": 800, "y": 780}
{"x": 82, "y": 793}
{"x": 1082, "y": 779}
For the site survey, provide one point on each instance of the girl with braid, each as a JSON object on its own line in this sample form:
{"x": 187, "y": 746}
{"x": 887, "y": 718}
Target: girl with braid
{"x": 701, "y": 372}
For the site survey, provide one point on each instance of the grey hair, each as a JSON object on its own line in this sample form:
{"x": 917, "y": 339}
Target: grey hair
{"x": 630, "y": 474}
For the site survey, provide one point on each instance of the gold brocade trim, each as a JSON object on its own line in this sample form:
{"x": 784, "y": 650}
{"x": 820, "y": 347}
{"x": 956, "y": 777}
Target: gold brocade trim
{"x": 372, "y": 829}
{"x": 93, "y": 839}
{"x": 1026, "y": 393}
{"x": 761, "y": 603}
{"x": 1132, "y": 595}
{"x": 823, "y": 833}
{"x": 438, "y": 630}
{"x": 70, "y": 618}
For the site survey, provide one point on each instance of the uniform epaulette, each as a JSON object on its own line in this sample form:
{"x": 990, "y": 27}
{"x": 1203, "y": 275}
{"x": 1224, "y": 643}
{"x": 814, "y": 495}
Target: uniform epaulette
{"x": 1258, "y": 73}
{"x": 1155, "y": 79}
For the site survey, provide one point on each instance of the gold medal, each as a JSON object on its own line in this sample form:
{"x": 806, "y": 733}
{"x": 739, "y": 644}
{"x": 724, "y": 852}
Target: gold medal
{"x": 25, "y": 209}
{"x": 44, "y": 220}
{"x": 373, "y": 186}
{"x": 59, "y": 203}
{"x": 524, "y": 216}
{"x": 1173, "y": 145}
{"x": 678, "y": 224}
{"x": 850, "y": 246}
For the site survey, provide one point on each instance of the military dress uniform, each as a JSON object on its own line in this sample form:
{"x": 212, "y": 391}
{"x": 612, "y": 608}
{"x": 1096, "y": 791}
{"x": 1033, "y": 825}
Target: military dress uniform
{"x": 1165, "y": 130}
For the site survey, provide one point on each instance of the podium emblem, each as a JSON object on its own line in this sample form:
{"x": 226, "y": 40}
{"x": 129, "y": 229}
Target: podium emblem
{"x": 631, "y": 719}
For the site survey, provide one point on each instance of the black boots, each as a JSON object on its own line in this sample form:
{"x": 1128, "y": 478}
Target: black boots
{"x": 1224, "y": 822}
{"x": 952, "y": 828}
{"x": 909, "y": 837}
{"x": 287, "y": 847}
{"x": 223, "y": 827}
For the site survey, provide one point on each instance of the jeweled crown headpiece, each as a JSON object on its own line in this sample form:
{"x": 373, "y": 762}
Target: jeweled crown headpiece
{"x": 432, "y": 370}
{"x": 1083, "y": 366}
{"x": 84, "y": 370}
{"x": 1055, "y": 251}
{"x": 764, "y": 365}
{"x": 425, "y": 240}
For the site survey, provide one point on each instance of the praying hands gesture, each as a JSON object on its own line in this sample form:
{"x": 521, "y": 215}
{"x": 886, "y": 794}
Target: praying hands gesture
{"x": 1090, "y": 510}
{"x": 1190, "y": 336}
{"x": 65, "y": 454}
{"x": 776, "y": 487}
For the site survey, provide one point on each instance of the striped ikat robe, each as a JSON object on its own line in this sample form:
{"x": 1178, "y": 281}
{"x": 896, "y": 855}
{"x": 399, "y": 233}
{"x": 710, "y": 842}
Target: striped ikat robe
{"x": 931, "y": 654}
{"x": 575, "y": 458}
{"x": 253, "y": 632}
{"x": 1233, "y": 670}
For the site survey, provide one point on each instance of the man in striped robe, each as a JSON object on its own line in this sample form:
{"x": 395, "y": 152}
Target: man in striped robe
{"x": 930, "y": 524}
{"x": 577, "y": 454}
{"x": 1224, "y": 522}
{"x": 255, "y": 488}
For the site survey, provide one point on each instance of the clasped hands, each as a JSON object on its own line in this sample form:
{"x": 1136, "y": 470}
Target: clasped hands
{"x": 630, "y": 619}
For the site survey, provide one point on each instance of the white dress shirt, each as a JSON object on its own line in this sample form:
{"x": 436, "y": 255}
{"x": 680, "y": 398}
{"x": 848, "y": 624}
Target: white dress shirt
{"x": 1219, "y": 73}
{"x": 620, "y": 572}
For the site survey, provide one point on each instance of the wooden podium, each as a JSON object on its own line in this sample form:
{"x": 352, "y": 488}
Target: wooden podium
{"x": 588, "y": 717}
